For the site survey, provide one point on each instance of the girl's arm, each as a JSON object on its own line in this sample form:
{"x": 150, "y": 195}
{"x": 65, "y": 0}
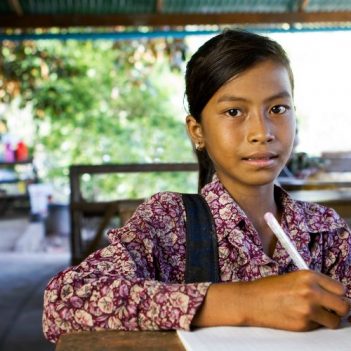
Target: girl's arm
{"x": 136, "y": 283}
{"x": 106, "y": 293}
{"x": 297, "y": 301}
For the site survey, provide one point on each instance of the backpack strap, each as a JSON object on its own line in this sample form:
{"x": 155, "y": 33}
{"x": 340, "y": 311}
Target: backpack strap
{"x": 201, "y": 241}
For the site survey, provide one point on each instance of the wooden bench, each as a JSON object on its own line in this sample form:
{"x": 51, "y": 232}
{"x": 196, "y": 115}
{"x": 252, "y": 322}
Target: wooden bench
{"x": 123, "y": 208}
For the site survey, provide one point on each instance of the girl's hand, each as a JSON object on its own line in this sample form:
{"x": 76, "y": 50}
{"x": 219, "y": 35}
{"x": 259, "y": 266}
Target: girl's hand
{"x": 298, "y": 301}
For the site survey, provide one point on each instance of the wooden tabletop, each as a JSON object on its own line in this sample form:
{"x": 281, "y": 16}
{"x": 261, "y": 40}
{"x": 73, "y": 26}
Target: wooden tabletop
{"x": 111, "y": 340}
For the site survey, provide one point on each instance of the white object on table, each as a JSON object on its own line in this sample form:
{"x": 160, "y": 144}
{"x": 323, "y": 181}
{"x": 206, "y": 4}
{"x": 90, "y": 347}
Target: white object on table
{"x": 265, "y": 339}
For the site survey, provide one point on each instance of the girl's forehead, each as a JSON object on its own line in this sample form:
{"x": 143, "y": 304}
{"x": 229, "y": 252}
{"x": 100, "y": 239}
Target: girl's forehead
{"x": 266, "y": 75}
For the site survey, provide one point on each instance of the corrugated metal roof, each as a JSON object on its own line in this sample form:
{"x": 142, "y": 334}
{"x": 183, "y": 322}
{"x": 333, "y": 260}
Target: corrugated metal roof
{"x": 94, "y": 7}
{"x": 98, "y": 7}
{"x": 327, "y": 5}
{"x": 227, "y": 6}
{"x": 61, "y": 13}
{"x": 5, "y": 7}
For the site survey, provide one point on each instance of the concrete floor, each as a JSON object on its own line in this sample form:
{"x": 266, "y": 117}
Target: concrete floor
{"x": 28, "y": 259}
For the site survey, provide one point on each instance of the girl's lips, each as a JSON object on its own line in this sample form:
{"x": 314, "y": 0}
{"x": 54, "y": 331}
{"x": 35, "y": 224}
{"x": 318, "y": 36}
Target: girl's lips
{"x": 261, "y": 155}
{"x": 261, "y": 160}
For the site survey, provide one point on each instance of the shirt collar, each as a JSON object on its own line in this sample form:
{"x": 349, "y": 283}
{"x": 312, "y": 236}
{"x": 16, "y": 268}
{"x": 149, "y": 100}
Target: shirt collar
{"x": 221, "y": 201}
{"x": 299, "y": 219}
{"x": 305, "y": 216}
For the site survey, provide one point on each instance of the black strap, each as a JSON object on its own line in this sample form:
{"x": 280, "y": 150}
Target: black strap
{"x": 201, "y": 241}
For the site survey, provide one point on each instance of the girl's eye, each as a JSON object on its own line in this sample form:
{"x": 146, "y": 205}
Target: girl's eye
{"x": 279, "y": 109}
{"x": 234, "y": 112}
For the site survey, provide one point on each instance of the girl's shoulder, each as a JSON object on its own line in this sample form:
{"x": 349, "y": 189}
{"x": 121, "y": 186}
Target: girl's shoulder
{"x": 165, "y": 200}
{"x": 160, "y": 213}
{"x": 310, "y": 216}
{"x": 161, "y": 206}
{"x": 320, "y": 217}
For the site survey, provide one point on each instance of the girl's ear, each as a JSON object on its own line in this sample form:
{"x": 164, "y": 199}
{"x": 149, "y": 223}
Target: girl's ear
{"x": 195, "y": 132}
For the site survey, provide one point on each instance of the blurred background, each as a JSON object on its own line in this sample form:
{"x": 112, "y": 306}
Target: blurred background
{"x": 92, "y": 117}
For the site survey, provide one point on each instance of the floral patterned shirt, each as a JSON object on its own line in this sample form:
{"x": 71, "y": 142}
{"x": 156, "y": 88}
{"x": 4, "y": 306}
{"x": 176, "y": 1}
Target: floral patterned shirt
{"x": 137, "y": 282}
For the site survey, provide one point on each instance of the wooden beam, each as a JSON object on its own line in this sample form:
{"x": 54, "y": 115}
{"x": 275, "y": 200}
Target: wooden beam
{"x": 16, "y": 7}
{"x": 180, "y": 19}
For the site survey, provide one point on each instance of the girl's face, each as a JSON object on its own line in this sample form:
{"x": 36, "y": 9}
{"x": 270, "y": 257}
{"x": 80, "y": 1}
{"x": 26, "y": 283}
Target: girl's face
{"x": 248, "y": 126}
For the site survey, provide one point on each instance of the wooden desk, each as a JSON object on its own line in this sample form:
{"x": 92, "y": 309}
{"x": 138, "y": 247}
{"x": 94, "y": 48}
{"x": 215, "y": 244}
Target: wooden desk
{"x": 110, "y": 340}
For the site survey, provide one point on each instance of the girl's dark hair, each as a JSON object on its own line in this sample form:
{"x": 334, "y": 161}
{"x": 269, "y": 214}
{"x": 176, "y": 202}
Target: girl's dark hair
{"x": 215, "y": 62}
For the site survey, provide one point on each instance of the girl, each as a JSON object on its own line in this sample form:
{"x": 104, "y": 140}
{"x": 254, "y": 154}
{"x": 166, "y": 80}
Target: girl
{"x": 239, "y": 88}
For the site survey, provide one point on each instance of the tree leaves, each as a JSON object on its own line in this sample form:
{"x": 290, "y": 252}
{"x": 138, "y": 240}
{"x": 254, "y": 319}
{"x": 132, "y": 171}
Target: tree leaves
{"x": 99, "y": 101}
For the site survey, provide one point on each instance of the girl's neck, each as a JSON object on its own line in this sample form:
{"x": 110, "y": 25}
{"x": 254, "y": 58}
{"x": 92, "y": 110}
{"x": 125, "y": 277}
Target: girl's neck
{"x": 250, "y": 197}
{"x": 255, "y": 201}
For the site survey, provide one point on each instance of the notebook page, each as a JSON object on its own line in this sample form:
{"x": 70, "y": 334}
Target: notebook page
{"x": 264, "y": 339}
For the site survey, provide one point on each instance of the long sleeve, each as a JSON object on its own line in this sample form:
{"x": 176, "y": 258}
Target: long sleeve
{"x": 136, "y": 283}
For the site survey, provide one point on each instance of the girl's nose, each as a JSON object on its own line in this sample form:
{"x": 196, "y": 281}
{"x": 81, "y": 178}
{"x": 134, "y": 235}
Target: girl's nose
{"x": 260, "y": 130}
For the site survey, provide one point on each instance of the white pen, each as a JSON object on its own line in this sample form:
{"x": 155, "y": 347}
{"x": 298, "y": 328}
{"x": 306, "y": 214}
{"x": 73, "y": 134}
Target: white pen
{"x": 285, "y": 241}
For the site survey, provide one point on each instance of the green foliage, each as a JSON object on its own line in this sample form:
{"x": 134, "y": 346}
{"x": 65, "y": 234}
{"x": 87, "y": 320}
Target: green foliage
{"x": 96, "y": 102}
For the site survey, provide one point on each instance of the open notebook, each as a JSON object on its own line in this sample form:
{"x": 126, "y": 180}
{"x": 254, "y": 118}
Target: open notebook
{"x": 262, "y": 339}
